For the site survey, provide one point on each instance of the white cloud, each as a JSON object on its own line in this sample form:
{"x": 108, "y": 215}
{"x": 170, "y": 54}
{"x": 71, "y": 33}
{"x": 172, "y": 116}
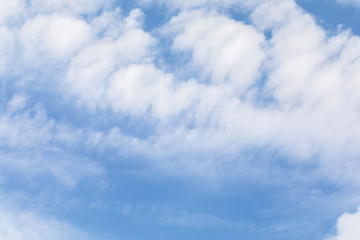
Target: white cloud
{"x": 233, "y": 52}
{"x": 6, "y": 48}
{"x": 354, "y": 2}
{"x": 91, "y": 68}
{"x": 53, "y": 36}
{"x": 68, "y": 6}
{"x": 183, "y": 5}
{"x": 348, "y": 227}
{"x": 33, "y": 146}
{"x": 21, "y": 225}
{"x": 9, "y": 8}
{"x": 306, "y": 107}
{"x": 310, "y": 81}
{"x": 138, "y": 89}
{"x": 312, "y": 78}
{"x": 296, "y": 92}
{"x": 17, "y": 103}
{"x": 309, "y": 77}
{"x": 170, "y": 216}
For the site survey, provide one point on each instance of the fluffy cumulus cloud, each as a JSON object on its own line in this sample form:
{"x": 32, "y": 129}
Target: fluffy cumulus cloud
{"x": 278, "y": 81}
{"x": 53, "y": 36}
{"x": 233, "y": 52}
{"x": 295, "y": 91}
{"x": 242, "y": 89}
{"x": 90, "y": 70}
{"x": 9, "y": 9}
{"x": 303, "y": 97}
{"x": 348, "y": 227}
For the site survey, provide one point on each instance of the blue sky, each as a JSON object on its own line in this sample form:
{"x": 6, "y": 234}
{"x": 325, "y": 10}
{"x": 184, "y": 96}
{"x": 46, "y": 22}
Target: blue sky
{"x": 207, "y": 119}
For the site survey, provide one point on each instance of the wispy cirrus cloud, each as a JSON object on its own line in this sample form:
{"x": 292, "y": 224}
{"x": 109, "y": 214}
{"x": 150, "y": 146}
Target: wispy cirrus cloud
{"x": 170, "y": 216}
{"x": 21, "y": 225}
{"x": 353, "y": 2}
{"x": 33, "y": 145}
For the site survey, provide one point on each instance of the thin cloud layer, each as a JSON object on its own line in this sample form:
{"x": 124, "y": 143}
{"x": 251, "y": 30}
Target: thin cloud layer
{"x": 169, "y": 216}
{"x": 35, "y": 145}
{"x": 353, "y": 2}
{"x": 20, "y": 225}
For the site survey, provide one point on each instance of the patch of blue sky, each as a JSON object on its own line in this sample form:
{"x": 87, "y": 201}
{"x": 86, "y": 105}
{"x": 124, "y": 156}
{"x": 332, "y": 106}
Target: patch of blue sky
{"x": 139, "y": 205}
{"x": 332, "y": 15}
{"x": 136, "y": 203}
{"x": 244, "y": 201}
